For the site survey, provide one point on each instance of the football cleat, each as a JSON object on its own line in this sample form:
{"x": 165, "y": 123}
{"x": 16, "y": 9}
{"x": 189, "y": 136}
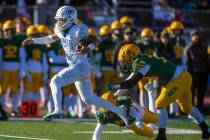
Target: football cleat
{"x": 206, "y": 134}
{"x": 52, "y": 116}
{"x": 161, "y": 137}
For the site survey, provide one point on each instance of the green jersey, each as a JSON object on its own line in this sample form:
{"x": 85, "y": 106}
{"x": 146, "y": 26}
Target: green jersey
{"x": 107, "y": 51}
{"x": 177, "y": 45}
{"x": 10, "y": 48}
{"x": 149, "y": 49}
{"x": 35, "y": 52}
{"x": 106, "y": 117}
{"x": 157, "y": 67}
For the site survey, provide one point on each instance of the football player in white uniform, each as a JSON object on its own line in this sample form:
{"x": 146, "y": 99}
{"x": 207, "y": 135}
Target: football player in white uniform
{"x": 76, "y": 42}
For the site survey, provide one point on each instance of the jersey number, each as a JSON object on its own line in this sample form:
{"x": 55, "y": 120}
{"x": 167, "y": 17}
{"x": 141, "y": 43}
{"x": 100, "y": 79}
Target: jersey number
{"x": 29, "y": 109}
{"x": 10, "y": 51}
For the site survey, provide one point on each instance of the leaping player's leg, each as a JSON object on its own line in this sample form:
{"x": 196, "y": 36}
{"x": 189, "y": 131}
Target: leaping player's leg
{"x": 85, "y": 91}
{"x": 64, "y": 77}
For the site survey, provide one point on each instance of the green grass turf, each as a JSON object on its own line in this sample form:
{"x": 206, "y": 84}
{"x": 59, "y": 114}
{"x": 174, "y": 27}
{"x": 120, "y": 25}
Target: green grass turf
{"x": 64, "y": 131}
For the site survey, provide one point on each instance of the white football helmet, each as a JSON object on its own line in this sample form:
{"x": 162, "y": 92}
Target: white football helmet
{"x": 65, "y": 16}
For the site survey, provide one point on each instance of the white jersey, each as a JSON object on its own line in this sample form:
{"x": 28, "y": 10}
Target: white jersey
{"x": 70, "y": 39}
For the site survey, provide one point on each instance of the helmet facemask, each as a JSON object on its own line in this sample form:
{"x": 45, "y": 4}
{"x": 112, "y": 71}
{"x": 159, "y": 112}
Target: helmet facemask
{"x": 125, "y": 67}
{"x": 64, "y": 23}
{"x": 177, "y": 32}
{"x": 9, "y": 33}
{"x": 126, "y": 62}
{"x": 147, "y": 40}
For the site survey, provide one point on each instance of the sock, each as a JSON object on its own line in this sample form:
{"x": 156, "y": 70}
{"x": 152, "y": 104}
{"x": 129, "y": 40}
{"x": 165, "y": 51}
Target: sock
{"x": 15, "y": 100}
{"x": 57, "y": 97}
{"x": 196, "y": 115}
{"x": 162, "y": 117}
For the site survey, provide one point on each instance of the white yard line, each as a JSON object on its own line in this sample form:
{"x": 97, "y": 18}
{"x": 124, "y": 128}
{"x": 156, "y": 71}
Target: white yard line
{"x": 18, "y": 137}
{"x": 169, "y": 131}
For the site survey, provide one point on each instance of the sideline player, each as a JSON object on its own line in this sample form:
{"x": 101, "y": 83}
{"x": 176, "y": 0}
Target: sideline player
{"x": 76, "y": 42}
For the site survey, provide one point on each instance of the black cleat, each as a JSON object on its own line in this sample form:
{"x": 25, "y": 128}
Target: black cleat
{"x": 206, "y": 134}
{"x": 161, "y": 137}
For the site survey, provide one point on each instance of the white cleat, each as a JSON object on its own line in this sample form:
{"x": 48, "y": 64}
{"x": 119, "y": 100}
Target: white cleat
{"x": 53, "y": 115}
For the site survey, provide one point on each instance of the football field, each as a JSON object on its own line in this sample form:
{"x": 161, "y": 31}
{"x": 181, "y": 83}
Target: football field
{"x": 82, "y": 129}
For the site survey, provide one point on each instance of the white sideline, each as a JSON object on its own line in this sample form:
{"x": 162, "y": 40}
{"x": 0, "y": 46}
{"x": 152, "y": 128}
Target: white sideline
{"x": 18, "y": 137}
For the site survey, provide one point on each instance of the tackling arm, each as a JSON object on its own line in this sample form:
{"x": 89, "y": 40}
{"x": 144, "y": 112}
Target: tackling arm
{"x": 98, "y": 131}
{"x": 131, "y": 80}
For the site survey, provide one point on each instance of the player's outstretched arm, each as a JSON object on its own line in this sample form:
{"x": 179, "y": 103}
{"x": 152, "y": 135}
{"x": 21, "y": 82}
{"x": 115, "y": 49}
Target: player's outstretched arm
{"x": 42, "y": 40}
{"x": 98, "y": 131}
{"x": 131, "y": 80}
{"x": 126, "y": 84}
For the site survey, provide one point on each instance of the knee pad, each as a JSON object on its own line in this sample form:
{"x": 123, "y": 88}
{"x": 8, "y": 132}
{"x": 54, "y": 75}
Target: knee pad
{"x": 149, "y": 117}
{"x": 147, "y": 131}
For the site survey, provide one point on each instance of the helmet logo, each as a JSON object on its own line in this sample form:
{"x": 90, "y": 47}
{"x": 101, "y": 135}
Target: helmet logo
{"x": 70, "y": 12}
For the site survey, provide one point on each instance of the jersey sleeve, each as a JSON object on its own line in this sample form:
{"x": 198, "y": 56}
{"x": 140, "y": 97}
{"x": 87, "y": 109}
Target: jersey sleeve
{"x": 140, "y": 66}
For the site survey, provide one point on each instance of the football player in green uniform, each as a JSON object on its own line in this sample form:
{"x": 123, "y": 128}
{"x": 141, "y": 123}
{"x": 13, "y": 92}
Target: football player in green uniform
{"x": 106, "y": 49}
{"x": 12, "y": 64}
{"x": 148, "y": 46}
{"x": 175, "y": 79}
{"x": 138, "y": 117}
{"x": 36, "y": 68}
{"x": 177, "y": 43}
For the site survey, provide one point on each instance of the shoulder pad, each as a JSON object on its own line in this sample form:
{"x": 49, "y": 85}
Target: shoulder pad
{"x": 81, "y": 31}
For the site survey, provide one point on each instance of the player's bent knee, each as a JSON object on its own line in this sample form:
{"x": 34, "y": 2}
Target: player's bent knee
{"x": 54, "y": 81}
